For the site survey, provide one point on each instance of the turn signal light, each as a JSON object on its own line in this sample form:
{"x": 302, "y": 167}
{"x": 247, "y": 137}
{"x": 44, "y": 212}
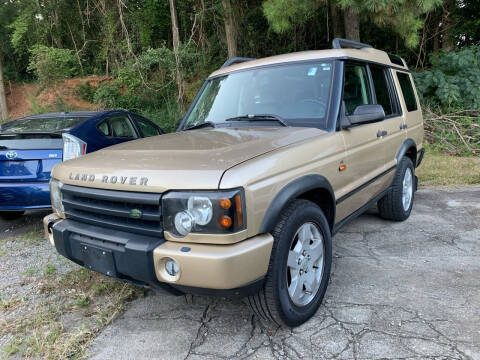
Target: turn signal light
{"x": 239, "y": 210}
{"x": 226, "y": 221}
{"x": 225, "y": 203}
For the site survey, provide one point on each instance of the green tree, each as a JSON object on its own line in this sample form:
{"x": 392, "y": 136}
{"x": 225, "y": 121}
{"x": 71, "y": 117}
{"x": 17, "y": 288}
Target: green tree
{"x": 403, "y": 16}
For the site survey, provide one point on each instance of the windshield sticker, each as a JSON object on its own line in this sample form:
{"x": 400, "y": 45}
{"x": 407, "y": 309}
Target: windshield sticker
{"x": 312, "y": 71}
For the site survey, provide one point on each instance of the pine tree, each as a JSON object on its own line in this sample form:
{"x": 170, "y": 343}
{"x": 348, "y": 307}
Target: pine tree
{"x": 403, "y": 16}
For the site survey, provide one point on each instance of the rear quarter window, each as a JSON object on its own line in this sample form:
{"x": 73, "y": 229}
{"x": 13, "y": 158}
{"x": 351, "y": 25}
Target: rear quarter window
{"x": 407, "y": 91}
{"x": 381, "y": 87}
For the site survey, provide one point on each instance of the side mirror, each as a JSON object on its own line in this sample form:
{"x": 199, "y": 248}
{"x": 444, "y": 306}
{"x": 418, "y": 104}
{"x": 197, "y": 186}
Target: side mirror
{"x": 365, "y": 113}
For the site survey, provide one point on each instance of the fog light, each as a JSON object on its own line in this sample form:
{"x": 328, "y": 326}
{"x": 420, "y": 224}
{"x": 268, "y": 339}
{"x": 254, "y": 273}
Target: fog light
{"x": 171, "y": 267}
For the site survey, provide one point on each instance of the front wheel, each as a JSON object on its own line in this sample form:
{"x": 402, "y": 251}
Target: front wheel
{"x": 299, "y": 268}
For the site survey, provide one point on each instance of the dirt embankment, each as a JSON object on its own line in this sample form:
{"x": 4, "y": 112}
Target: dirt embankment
{"x": 25, "y": 99}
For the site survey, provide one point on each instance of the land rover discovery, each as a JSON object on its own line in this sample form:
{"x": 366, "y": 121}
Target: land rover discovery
{"x": 272, "y": 158}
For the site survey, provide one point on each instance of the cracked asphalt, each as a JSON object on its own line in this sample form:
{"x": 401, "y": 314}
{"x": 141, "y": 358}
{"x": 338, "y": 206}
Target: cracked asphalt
{"x": 406, "y": 290}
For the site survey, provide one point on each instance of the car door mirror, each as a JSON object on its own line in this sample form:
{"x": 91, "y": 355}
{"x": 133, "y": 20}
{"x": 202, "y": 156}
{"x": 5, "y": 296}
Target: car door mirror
{"x": 366, "y": 113}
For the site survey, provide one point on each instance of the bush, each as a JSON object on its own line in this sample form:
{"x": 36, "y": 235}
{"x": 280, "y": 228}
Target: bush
{"x": 107, "y": 96}
{"x": 453, "y": 81}
{"x": 167, "y": 115}
{"x": 50, "y": 64}
{"x": 86, "y": 91}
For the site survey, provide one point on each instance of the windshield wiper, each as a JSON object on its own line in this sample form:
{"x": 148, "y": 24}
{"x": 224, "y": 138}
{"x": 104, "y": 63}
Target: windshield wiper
{"x": 201, "y": 125}
{"x": 259, "y": 117}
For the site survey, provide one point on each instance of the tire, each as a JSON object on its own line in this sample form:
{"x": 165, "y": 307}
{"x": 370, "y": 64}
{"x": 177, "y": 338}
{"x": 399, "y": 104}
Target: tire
{"x": 274, "y": 302}
{"x": 11, "y": 215}
{"x": 391, "y": 206}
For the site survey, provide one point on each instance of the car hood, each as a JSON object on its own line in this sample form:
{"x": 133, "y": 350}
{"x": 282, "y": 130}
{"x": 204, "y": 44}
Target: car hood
{"x": 193, "y": 159}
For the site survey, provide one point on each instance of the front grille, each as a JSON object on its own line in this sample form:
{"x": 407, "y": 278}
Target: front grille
{"x": 113, "y": 209}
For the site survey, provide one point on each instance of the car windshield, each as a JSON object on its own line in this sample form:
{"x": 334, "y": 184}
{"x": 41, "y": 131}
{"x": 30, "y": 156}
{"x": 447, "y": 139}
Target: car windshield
{"x": 41, "y": 124}
{"x": 297, "y": 93}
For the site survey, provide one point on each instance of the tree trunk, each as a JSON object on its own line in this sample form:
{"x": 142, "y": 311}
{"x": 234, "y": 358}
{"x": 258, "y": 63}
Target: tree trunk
{"x": 3, "y": 99}
{"x": 336, "y": 20}
{"x": 447, "y": 43}
{"x": 176, "y": 48}
{"x": 352, "y": 24}
{"x": 230, "y": 30}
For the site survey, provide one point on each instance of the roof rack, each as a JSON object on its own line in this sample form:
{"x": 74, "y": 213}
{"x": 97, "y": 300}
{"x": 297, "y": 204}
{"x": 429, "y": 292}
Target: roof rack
{"x": 339, "y": 43}
{"x": 235, "y": 60}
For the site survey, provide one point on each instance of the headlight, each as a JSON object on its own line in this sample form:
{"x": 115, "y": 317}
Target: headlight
{"x": 73, "y": 147}
{"x": 206, "y": 212}
{"x": 56, "y": 197}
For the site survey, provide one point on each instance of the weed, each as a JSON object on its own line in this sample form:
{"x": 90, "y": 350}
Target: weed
{"x": 50, "y": 269}
{"x": 82, "y": 300}
{"x": 30, "y": 272}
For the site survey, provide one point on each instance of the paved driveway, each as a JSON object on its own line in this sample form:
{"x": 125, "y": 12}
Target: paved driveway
{"x": 398, "y": 291}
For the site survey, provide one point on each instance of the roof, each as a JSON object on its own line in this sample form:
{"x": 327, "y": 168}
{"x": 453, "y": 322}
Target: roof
{"x": 87, "y": 114}
{"x": 367, "y": 53}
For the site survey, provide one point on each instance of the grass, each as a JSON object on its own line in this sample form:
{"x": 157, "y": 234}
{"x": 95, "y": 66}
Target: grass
{"x": 50, "y": 269}
{"x": 90, "y": 300}
{"x": 33, "y": 236}
{"x": 447, "y": 170}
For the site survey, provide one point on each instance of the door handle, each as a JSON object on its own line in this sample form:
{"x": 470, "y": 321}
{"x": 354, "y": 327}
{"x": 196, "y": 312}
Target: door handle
{"x": 403, "y": 126}
{"x": 382, "y": 133}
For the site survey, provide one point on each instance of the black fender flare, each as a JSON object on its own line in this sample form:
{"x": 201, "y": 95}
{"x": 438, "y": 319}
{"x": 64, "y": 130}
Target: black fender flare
{"x": 292, "y": 191}
{"x": 407, "y": 144}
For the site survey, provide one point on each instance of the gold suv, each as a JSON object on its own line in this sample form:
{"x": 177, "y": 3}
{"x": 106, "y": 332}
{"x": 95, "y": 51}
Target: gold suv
{"x": 273, "y": 157}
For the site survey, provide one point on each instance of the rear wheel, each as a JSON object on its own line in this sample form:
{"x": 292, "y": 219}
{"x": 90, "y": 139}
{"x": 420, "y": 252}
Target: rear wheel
{"x": 11, "y": 215}
{"x": 397, "y": 204}
{"x": 299, "y": 267}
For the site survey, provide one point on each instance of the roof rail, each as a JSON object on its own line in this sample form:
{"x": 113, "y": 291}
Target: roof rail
{"x": 339, "y": 43}
{"x": 235, "y": 60}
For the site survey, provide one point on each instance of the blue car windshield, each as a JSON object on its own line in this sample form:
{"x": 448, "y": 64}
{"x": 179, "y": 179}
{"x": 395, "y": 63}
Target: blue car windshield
{"x": 40, "y": 124}
{"x": 297, "y": 93}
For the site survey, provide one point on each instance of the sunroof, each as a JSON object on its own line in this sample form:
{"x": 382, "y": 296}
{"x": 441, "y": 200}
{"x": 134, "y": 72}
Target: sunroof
{"x": 395, "y": 59}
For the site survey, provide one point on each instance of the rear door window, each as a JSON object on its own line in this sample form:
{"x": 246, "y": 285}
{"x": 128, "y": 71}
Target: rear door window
{"x": 384, "y": 89}
{"x": 146, "y": 127}
{"x": 122, "y": 127}
{"x": 356, "y": 88}
{"x": 407, "y": 91}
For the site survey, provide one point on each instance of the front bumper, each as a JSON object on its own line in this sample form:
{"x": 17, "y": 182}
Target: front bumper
{"x": 20, "y": 196}
{"x": 227, "y": 270}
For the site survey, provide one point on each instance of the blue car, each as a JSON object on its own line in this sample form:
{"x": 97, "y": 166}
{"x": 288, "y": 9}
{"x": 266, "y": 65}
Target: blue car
{"x": 31, "y": 146}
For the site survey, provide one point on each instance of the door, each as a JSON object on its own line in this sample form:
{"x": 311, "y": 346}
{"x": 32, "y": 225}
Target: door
{"x": 411, "y": 108}
{"x": 365, "y": 159}
{"x": 394, "y": 124}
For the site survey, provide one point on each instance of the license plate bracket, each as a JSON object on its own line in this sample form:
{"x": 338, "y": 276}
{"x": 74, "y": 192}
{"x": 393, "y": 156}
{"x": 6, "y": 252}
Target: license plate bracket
{"x": 97, "y": 259}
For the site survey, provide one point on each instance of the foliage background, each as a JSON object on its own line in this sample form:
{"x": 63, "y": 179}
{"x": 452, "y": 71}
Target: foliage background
{"x": 131, "y": 41}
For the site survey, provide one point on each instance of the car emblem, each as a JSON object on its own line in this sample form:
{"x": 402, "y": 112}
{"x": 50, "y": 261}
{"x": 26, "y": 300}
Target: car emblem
{"x": 135, "y": 214}
{"x": 11, "y": 155}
